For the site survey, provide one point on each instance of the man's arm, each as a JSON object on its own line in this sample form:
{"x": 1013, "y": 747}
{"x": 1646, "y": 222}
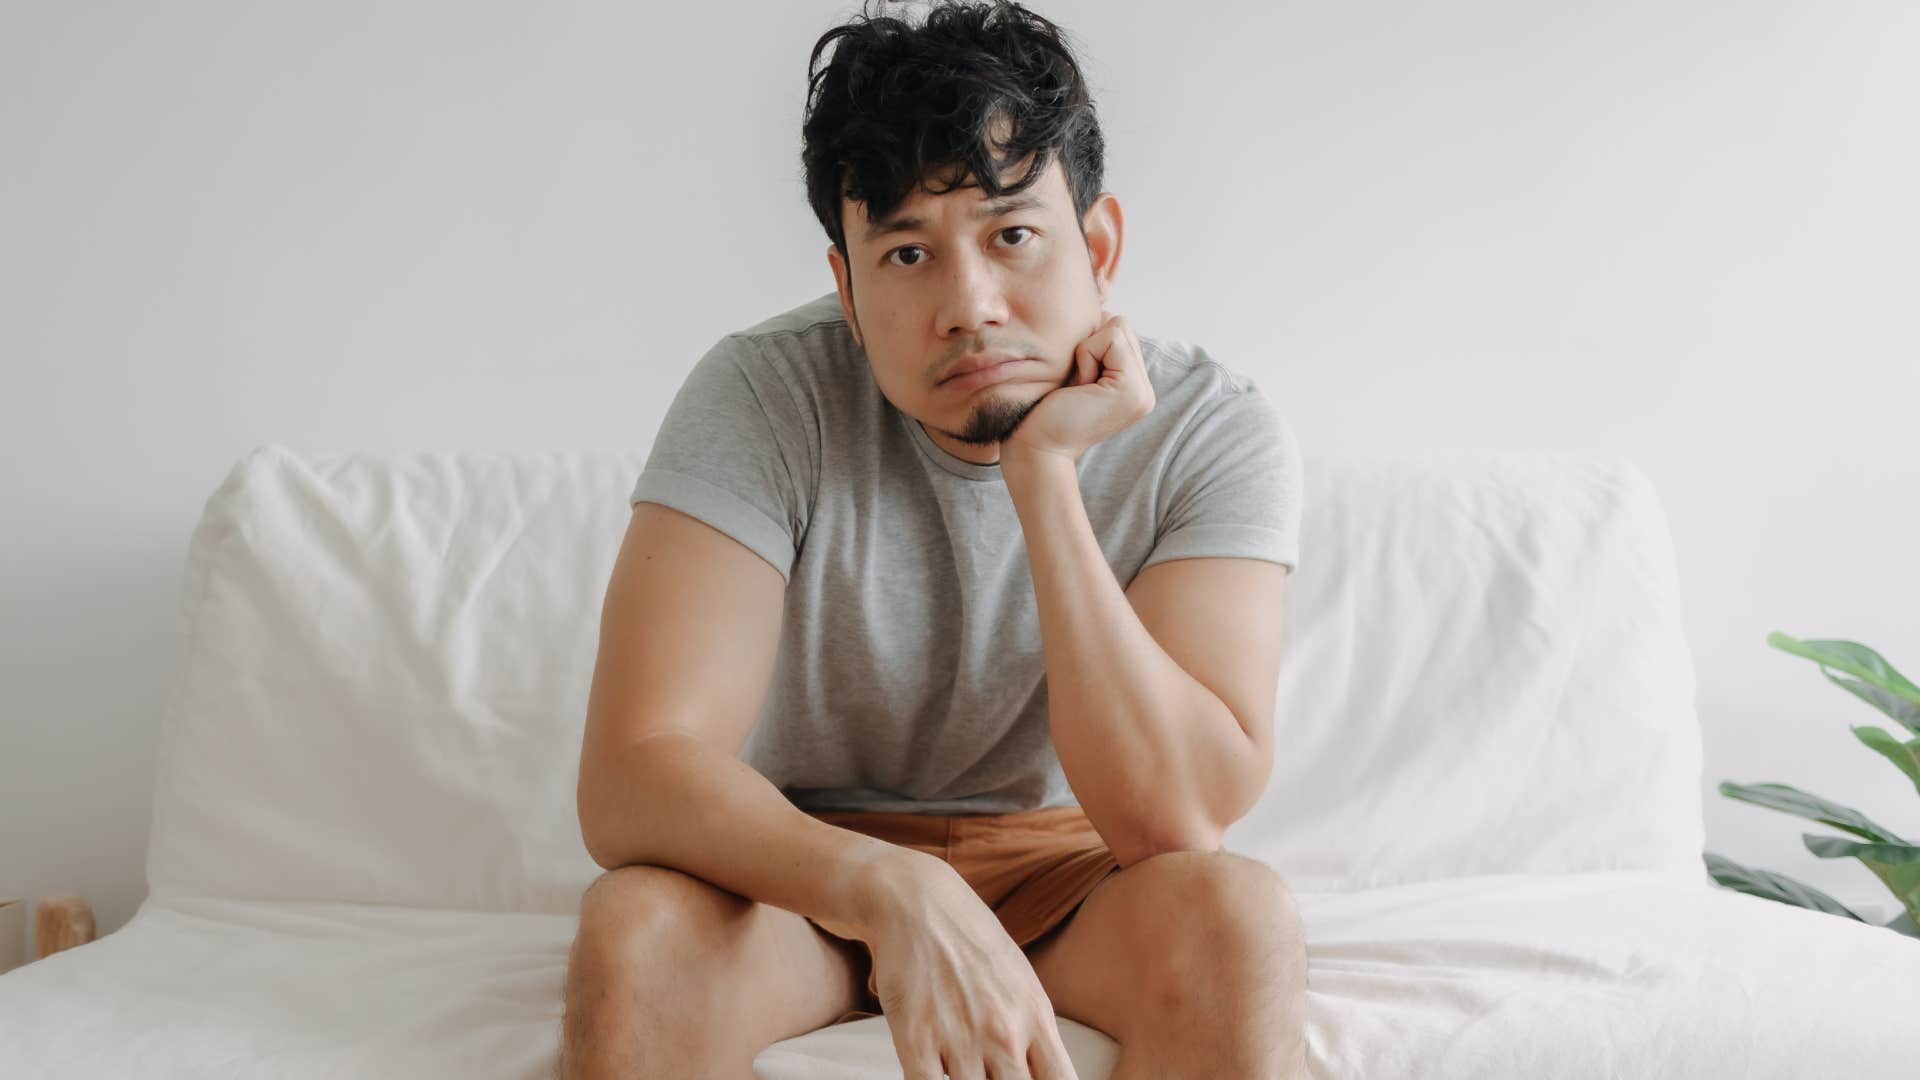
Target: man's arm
{"x": 672, "y": 800}
{"x": 1158, "y": 760}
{"x": 688, "y": 636}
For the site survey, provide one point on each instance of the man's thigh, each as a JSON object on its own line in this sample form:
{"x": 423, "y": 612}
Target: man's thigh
{"x": 747, "y": 973}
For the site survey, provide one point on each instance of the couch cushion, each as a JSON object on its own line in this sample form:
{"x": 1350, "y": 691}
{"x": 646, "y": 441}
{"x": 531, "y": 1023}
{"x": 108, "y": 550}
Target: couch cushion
{"x": 1601, "y": 974}
{"x": 385, "y": 680}
{"x": 1484, "y": 673}
{"x": 386, "y": 659}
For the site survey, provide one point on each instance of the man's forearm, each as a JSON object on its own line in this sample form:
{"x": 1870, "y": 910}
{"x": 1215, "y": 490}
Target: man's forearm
{"x": 671, "y": 800}
{"x": 1147, "y": 748}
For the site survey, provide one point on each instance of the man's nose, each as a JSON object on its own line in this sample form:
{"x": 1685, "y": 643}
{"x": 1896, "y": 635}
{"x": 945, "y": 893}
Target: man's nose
{"x": 975, "y": 296}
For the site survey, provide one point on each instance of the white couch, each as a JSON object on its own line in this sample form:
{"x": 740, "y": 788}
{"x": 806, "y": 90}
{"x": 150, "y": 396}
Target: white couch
{"x": 365, "y": 859}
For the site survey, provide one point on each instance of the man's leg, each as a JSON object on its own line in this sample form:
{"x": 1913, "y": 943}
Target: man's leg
{"x": 1193, "y": 961}
{"x": 671, "y": 976}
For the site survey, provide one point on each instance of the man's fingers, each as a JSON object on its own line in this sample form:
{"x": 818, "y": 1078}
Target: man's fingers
{"x": 1047, "y": 1059}
{"x": 1005, "y": 1065}
{"x": 922, "y": 1063}
{"x": 1126, "y": 346}
{"x": 1087, "y": 367}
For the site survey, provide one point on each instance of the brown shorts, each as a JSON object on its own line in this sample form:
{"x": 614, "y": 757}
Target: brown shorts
{"x": 1033, "y": 868}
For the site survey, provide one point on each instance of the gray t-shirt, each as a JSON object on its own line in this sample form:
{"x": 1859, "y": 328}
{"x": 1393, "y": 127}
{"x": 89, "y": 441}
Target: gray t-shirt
{"x": 910, "y": 675}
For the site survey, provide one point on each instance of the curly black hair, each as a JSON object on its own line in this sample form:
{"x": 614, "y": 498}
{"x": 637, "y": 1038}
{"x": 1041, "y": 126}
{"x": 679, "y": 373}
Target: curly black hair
{"x": 972, "y": 91}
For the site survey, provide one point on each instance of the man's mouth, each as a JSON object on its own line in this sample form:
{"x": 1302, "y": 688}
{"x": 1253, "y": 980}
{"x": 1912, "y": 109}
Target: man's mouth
{"x": 986, "y": 376}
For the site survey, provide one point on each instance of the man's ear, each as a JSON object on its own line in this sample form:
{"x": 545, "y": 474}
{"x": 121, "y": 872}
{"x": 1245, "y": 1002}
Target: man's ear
{"x": 1103, "y": 225}
{"x": 843, "y": 281}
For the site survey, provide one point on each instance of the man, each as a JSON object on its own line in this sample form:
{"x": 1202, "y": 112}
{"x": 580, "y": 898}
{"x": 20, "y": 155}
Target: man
{"x": 875, "y": 725}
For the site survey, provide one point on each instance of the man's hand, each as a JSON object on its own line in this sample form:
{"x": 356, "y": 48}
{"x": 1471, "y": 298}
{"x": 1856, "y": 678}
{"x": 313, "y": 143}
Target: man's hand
{"x": 1106, "y": 390}
{"x": 960, "y": 997}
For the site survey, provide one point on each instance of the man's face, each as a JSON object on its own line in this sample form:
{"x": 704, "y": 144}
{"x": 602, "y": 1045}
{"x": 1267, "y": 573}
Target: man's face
{"x": 957, "y": 274}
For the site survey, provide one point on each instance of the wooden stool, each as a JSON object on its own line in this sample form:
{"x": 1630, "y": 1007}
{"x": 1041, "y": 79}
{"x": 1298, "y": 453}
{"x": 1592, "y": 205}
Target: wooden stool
{"x": 61, "y": 922}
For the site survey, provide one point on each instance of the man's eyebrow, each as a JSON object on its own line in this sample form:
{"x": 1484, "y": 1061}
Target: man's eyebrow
{"x": 992, "y": 208}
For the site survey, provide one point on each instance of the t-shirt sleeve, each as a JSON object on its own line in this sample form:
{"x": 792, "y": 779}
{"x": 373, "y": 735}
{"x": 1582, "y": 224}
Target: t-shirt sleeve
{"x": 1234, "y": 483}
{"x": 733, "y": 450}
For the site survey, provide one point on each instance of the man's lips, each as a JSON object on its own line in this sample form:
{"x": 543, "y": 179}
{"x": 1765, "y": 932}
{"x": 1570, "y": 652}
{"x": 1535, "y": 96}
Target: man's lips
{"x": 982, "y": 371}
{"x": 985, "y": 376}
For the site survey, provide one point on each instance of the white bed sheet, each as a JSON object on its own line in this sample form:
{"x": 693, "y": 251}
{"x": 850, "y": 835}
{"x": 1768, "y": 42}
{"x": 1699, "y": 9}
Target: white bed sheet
{"x": 1619, "y": 974}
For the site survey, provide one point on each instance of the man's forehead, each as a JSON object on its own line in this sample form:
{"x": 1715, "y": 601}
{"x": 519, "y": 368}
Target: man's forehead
{"x": 910, "y": 218}
{"x": 913, "y": 212}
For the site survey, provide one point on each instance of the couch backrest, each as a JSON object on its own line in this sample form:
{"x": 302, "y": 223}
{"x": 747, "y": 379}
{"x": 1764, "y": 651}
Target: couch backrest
{"x": 1484, "y": 672}
{"x": 385, "y": 660}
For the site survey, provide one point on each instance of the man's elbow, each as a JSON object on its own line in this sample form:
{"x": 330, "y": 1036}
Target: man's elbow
{"x": 1198, "y": 831}
{"x": 1161, "y": 841}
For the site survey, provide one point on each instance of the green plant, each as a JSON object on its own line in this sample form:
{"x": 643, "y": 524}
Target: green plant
{"x": 1896, "y": 862}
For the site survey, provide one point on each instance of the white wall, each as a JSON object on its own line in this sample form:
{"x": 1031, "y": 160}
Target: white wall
{"x": 1682, "y": 231}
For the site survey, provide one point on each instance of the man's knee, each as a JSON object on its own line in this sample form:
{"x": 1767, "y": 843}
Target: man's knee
{"x": 1237, "y": 922}
{"x": 643, "y": 921}
{"x": 633, "y": 974}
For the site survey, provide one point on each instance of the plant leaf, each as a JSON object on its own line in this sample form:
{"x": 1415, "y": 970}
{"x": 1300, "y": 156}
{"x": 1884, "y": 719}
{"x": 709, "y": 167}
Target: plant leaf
{"x": 1896, "y": 865}
{"x": 1771, "y": 886}
{"x": 1838, "y": 847}
{"x": 1903, "y": 712}
{"x": 1905, "y": 755}
{"x": 1851, "y": 657}
{"x": 1794, "y": 801}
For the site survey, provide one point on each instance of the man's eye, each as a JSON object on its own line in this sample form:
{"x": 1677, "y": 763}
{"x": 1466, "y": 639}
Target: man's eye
{"x": 1028, "y": 229}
